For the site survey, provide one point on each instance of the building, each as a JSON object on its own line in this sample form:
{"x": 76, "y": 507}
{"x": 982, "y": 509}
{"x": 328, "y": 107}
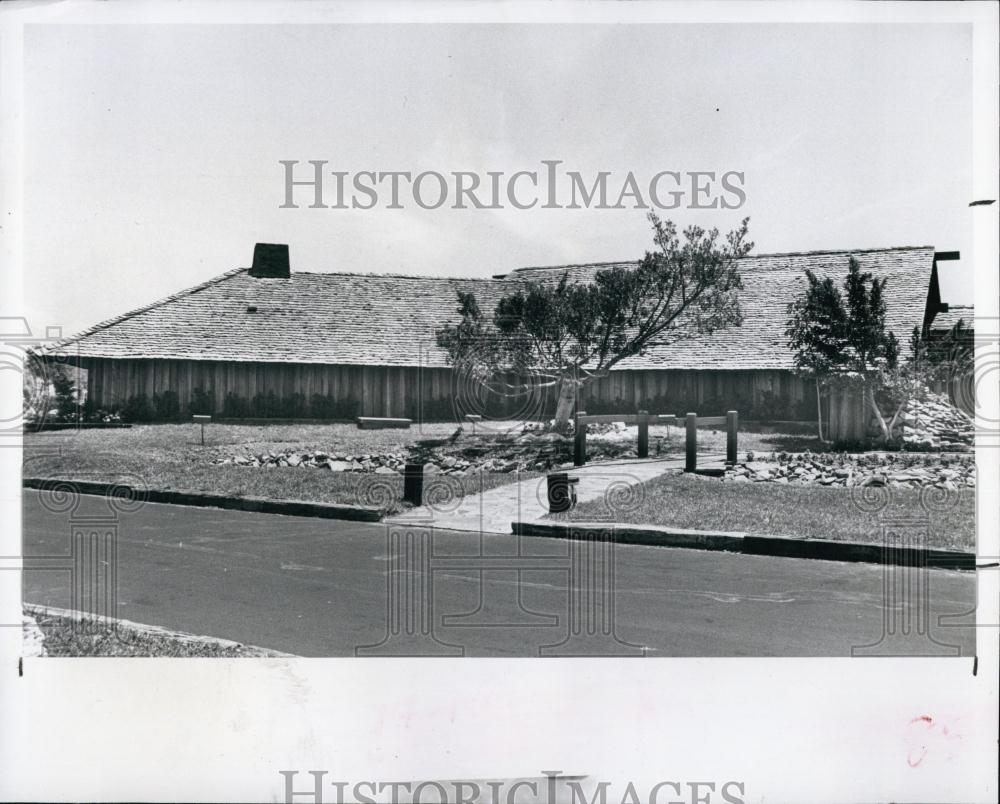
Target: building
{"x": 266, "y": 340}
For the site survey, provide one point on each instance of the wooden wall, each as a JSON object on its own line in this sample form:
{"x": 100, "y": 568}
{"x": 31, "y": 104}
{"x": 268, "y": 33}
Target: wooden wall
{"x": 699, "y": 388}
{"x": 379, "y": 390}
{"x": 393, "y": 391}
{"x": 845, "y": 416}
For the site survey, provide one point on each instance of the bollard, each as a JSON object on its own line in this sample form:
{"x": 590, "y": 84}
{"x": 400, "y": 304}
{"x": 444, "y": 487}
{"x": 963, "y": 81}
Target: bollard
{"x": 413, "y": 483}
{"x": 561, "y": 494}
{"x": 643, "y": 434}
{"x": 691, "y": 445}
{"x": 732, "y": 424}
{"x": 580, "y": 441}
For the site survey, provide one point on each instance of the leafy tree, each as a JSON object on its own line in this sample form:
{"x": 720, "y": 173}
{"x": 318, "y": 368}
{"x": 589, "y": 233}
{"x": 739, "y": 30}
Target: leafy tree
{"x": 49, "y": 389}
{"x": 564, "y": 334}
{"x": 931, "y": 360}
{"x": 817, "y": 333}
{"x": 842, "y": 337}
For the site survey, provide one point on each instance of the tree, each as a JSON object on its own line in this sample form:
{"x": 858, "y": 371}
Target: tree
{"x": 564, "y": 334}
{"x": 842, "y": 337}
{"x": 49, "y": 389}
{"x": 817, "y": 333}
{"x": 940, "y": 359}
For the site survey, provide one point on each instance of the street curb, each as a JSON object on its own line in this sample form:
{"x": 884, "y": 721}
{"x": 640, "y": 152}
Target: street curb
{"x": 649, "y": 535}
{"x": 260, "y": 505}
{"x": 35, "y": 609}
{"x": 747, "y": 544}
{"x": 824, "y": 549}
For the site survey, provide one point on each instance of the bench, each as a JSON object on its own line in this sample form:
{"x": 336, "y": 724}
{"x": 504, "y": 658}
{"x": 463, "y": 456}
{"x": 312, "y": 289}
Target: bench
{"x": 375, "y": 423}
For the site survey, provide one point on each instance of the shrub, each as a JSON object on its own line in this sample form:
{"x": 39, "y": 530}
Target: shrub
{"x": 433, "y": 410}
{"x": 325, "y": 406}
{"x": 202, "y": 401}
{"x": 294, "y": 407}
{"x": 138, "y": 408}
{"x": 167, "y": 406}
{"x": 235, "y": 406}
{"x": 265, "y": 406}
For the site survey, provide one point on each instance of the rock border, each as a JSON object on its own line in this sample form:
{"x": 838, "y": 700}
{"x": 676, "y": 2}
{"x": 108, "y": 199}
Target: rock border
{"x": 749, "y": 544}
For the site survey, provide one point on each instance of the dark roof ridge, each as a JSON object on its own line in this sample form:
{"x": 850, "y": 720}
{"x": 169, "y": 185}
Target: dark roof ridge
{"x": 145, "y": 308}
{"x": 397, "y": 276}
{"x": 748, "y": 257}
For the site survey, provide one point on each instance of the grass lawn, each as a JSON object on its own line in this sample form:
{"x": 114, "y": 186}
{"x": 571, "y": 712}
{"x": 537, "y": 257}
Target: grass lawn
{"x": 65, "y": 636}
{"x": 170, "y": 456}
{"x": 699, "y": 503}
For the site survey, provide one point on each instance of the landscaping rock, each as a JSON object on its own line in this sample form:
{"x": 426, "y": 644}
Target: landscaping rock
{"x": 933, "y": 423}
{"x": 901, "y": 470}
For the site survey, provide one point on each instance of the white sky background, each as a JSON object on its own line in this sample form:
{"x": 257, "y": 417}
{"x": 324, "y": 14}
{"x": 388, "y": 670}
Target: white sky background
{"x": 151, "y": 152}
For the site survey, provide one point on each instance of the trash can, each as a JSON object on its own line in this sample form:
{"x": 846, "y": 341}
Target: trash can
{"x": 561, "y": 492}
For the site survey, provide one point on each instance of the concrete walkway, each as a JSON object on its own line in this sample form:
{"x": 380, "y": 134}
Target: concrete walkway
{"x": 492, "y": 511}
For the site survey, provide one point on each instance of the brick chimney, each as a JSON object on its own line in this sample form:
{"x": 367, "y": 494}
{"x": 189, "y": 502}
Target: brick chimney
{"x": 270, "y": 261}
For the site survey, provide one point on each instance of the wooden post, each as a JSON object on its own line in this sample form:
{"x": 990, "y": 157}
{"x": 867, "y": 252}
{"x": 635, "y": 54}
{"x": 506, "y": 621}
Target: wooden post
{"x": 413, "y": 483}
{"x": 691, "y": 452}
{"x": 732, "y": 423}
{"x": 643, "y": 434}
{"x": 202, "y": 419}
{"x": 580, "y": 441}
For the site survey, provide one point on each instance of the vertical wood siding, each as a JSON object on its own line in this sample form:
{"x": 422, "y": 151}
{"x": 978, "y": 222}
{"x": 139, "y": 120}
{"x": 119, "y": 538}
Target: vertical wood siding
{"x": 395, "y": 391}
{"x": 846, "y": 416}
{"x": 701, "y": 390}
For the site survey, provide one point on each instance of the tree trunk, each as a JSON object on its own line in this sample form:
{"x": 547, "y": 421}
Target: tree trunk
{"x": 819, "y": 410}
{"x": 567, "y": 400}
{"x": 870, "y": 394}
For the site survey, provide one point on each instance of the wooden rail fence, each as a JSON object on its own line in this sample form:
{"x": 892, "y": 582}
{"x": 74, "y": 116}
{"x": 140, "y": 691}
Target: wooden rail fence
{"x": 643, "y": 418}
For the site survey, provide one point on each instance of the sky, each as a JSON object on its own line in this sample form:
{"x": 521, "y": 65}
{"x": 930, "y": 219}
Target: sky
{"x": 152, "y": 153}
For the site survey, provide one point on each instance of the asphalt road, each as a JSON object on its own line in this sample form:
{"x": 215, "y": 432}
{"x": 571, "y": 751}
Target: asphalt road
{"x": 325, "y": 588}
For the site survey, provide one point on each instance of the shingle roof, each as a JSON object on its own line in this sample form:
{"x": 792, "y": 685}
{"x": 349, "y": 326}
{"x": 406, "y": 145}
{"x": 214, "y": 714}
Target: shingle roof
{"x": 946, "y": 319}
{"x": 381, "y": 319}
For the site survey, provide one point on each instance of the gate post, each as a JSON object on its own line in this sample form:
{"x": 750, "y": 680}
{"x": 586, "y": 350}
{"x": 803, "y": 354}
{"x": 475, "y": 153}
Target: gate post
{"x": 732, "y": 424}
{"x": 691, "y": 443}
{"x": 643, "y": 434}
{"x": 580, "y": 440}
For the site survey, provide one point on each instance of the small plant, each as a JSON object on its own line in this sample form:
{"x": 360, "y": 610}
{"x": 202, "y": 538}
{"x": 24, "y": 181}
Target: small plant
{"x": 750, "y": 455}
